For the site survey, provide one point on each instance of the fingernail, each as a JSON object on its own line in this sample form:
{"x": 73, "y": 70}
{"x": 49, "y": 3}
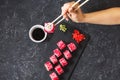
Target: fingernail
{"x": 67, "y": 19}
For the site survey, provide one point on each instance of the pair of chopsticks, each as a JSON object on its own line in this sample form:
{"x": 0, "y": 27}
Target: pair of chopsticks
{"x": 53, "y": 22}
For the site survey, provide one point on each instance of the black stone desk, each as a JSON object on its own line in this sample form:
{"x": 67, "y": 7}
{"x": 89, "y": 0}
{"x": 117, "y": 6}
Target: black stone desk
{"x": 20, "y": 58}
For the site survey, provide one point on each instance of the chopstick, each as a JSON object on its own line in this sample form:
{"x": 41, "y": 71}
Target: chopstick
{"x": 59, "y": 21}
{"x": 75, "y": 9}
{"x": 82, "y": 4}
{"x": 62, "y": 15}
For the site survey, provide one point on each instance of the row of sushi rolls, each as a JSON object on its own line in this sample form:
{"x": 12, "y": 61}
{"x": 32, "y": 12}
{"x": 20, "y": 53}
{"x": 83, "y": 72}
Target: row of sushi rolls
{"x": 61, "y": 55}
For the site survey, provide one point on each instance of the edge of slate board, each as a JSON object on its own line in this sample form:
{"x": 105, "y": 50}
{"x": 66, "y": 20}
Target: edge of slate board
{"x": 67, "y": 38}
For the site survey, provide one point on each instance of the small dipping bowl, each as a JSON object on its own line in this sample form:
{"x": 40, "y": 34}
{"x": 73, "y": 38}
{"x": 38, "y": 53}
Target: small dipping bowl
{"x": 37, "y": 33}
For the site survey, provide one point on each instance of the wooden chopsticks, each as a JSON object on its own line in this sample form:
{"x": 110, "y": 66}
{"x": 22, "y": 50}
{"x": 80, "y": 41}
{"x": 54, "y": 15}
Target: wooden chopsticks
{"x": 60, "y": 16}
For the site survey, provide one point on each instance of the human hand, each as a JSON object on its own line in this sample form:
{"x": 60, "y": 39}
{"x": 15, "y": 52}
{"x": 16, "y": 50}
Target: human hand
{"x": 70, "y": 12}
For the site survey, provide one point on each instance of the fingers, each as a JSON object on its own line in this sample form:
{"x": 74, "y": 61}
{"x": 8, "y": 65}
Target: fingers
{"x": 72, "y": 12}
{"x": 73, "y": 9}
{"x": 65, "y": 9}
{"x": 68, "y": 10}
{"x": 64, "y": 12}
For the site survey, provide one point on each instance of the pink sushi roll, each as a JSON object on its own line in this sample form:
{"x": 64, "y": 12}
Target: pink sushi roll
{"x": 53, "y": 59}
{"x": 67, "y": 54}
{"x": 54, "y": 76}
{"x": 63, "y": 62}
{"x": 48, "y": 66}
{"x": 61, "y": 44}
{"x": 49, "y": 27}
{"x": 72, "y": 47}
{"x": 59, "y": 70}
{"x": 57, "y": 52}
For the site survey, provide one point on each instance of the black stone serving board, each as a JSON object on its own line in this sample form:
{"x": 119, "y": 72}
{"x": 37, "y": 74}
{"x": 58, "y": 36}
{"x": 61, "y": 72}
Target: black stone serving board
{"x": 67, "y": 38}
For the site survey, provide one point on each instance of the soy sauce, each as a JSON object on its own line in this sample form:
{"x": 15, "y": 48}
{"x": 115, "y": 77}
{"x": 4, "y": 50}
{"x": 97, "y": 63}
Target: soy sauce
{"x": 38, "y": 34}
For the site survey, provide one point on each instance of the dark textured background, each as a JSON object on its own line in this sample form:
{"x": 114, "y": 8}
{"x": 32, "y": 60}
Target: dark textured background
{"x": 20, "y": 58}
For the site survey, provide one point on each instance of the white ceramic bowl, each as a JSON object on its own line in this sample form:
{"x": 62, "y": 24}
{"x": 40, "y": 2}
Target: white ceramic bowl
{"x": 31, "y": 31}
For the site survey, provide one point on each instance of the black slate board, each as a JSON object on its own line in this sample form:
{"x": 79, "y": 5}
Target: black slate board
{"x": 67, "y": 38}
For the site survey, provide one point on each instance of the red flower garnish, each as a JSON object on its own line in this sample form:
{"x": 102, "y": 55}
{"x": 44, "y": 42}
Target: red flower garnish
{"x": 77, "y": 36}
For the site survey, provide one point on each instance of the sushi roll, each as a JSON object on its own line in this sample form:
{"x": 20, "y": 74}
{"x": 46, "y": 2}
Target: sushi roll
{"x": 67, "y": 54}
{"x": 72, "y": 47}
{"x": 57, "y": 52}
{"x": 48, "y": 66}
{"x": 61, "y": 44}
{"x": 63, "y": 62}
{"x": 54, "y": 76}
{"x": 59, "y": 70}
{"x": 53, "y": 59}
{"x": 49, "y": 27}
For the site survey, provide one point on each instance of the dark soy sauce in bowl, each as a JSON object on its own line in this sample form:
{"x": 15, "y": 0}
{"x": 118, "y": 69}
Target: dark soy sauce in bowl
{"x": 38, "y": 34}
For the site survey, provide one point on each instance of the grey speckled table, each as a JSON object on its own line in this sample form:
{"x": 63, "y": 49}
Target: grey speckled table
{"x": 20, "y": 58}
